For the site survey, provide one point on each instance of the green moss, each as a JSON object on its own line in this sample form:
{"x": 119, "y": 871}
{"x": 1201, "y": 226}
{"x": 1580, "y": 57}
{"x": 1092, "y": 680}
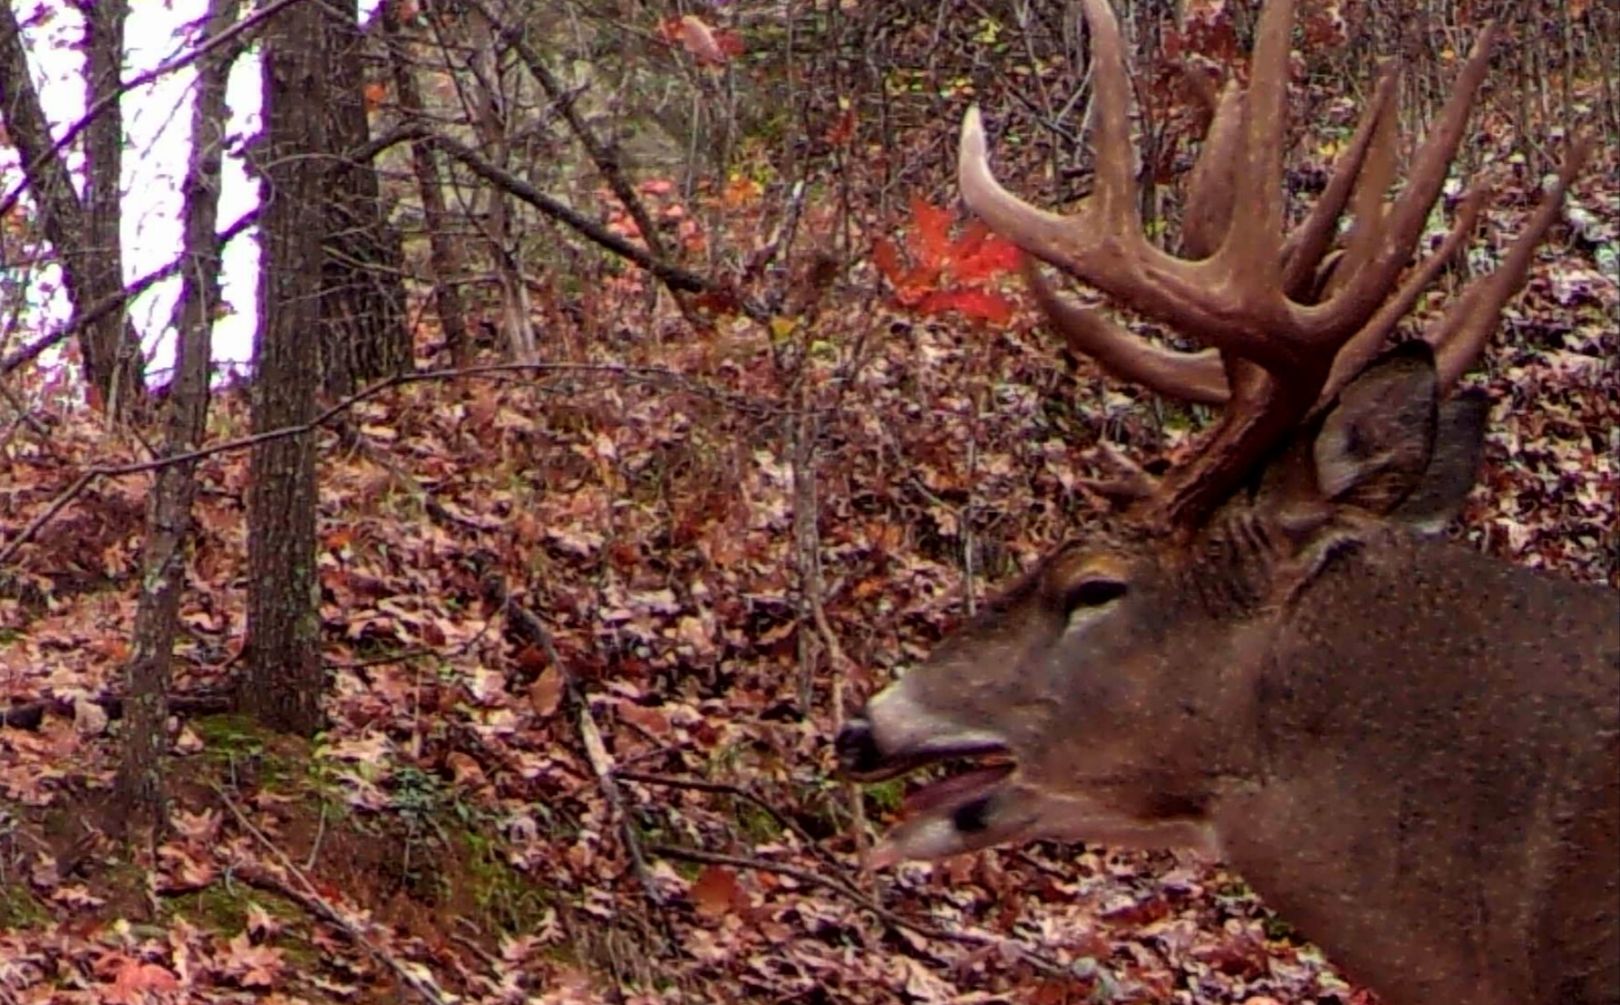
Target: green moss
{"x": 223, "y": 907}
{"x": 238, "y": 750}
{"x": 508, "y": 900}
{"x": 757, "y": 825}
{"x": 886, "y": 796}
{"x": 449, "y": 853}
{"x": 19, "y": 909}
{"x": 230, "y": 734}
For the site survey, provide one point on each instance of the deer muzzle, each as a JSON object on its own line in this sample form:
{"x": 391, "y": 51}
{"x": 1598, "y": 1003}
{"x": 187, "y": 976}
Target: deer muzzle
{"x": 894, "y": 735}
{"x": 960, "y": 812}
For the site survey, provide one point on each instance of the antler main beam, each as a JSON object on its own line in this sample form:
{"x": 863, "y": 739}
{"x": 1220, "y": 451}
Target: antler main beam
{"x": 1286, "y": 321}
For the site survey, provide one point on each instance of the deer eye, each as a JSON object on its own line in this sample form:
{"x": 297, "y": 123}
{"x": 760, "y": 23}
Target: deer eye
{"x": 1093, "y": 591}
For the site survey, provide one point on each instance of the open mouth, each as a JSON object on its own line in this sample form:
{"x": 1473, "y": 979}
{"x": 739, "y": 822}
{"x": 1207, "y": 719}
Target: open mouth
{"x": 859, "y": 760}
{"x": 943, "y": 815}
{"x": 956, "y": 793}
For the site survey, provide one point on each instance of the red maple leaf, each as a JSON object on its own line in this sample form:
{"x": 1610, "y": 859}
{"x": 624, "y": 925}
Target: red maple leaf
{"x": 947, "y": 274}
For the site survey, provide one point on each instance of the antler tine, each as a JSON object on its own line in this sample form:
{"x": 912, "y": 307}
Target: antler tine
{"x": 1369, "y": 208}
{"x": 1259, "y": 403}
{"x": 1196, "y": 376}
{"x": 1370, "y": 341}
{"x": 1207, "y": 215}
{"x": 1276, "y": 350}
{"x": 1232, "y": 300}
{"x": 1360, "y": 294}
{"x": 1102, "y": 243}
{"x": 1368, "y": 205}
{"x": 1116, "y": 181}
{"x": 1110, "y": 210}
{"x": 1251, "y": 254}
{"x": 1191, "y": 376}
{"x": 1459, "y": 335}
{"x": 1249, "y": 264}
{"x": 1263, "y": 407}
{"x": 1305, "y": 247}
{"x": 1208, "y": 208}
{"x": 1037, "y": 231}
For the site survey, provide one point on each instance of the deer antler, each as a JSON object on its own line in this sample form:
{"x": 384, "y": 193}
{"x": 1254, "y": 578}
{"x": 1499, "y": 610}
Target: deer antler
{"x": 1286, "y": 321}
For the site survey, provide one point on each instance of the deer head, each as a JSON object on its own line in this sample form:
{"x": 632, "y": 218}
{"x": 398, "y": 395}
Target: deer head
{"x": 1266, "y": 655}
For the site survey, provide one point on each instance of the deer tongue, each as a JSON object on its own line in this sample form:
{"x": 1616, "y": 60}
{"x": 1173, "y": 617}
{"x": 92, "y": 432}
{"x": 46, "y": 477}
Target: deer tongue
{"x": 929, "y": 827}
{"x": 953, "y": 789}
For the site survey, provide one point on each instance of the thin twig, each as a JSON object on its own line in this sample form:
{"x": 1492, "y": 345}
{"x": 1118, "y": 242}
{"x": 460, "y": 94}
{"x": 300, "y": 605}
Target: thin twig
{"x": 82, "y": 319}
{"x": 604, "y": 157}
{"x": 112, "y": 97}
{"x": 596, "y": 754}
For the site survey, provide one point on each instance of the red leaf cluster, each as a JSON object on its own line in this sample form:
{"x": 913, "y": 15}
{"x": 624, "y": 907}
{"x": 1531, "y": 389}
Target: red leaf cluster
{"x": 948, "y": 274}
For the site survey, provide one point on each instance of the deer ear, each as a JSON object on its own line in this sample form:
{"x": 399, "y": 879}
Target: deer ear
{"x": 1459, "y": 443}
{"x": 1376, "y": 443}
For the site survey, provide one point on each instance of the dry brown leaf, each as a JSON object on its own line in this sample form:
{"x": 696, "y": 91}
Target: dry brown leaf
{"x": 546, "y": 692}
{"x": 716, "y": 892}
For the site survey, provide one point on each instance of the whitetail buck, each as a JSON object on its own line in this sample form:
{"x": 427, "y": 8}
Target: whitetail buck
{"x": 1410, "y": 750}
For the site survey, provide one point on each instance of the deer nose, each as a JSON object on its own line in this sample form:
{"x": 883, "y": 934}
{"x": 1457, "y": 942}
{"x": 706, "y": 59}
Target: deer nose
{"x": 857, "y": 748}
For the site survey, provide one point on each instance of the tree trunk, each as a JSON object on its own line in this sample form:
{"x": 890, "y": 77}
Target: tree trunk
{"x": 111, "y": 339}
{"x": 442, "y": 253}
{"x": 87, "y": 250}
{"x": 283, "y": 684}
{"x": 363, "y": 333}
{"x": 168, "y": 523}
{"x": 491, "y": 126}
